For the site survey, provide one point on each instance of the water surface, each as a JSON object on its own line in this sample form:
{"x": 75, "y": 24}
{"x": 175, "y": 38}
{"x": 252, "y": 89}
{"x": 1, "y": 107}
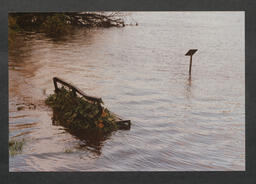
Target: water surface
{"x": 178, "y": 124}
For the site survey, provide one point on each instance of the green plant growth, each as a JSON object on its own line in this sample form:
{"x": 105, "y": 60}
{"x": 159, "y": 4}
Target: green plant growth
{"x": 15, "y": 146}
{"x": 77, "y": 114}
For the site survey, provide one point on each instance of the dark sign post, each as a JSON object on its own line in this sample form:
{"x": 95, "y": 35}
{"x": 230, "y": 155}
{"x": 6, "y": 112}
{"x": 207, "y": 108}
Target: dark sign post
{"x": 190, "y": 53}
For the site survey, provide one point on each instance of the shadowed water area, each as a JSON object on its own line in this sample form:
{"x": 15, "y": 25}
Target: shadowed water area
{"x": 141, "y": 73}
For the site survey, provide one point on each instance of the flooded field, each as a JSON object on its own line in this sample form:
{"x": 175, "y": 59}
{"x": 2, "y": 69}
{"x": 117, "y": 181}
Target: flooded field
{"x": 141, "y": 73}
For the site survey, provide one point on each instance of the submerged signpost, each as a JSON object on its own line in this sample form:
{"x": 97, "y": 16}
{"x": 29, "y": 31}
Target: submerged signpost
{"x": 190, "y": 53}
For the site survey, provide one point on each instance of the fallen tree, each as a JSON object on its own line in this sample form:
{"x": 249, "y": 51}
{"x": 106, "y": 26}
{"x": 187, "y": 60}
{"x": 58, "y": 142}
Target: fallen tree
{"x": 95, "y": 19}
{"x": 57, "y": 24}
{"x": 42, "y": 21}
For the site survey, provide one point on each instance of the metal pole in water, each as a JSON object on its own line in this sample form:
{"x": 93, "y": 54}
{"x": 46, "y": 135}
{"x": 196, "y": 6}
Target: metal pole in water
{"x": 190, "y": 65}
{"x": 190, "y": 53}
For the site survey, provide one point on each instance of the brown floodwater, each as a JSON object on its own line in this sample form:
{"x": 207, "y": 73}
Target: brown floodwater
{"x": 141, "y": 73}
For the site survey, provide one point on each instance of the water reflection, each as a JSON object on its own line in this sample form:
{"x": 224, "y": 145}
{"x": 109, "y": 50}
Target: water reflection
{"x": 188, "y": 88}
{"x": 90, "y": 140}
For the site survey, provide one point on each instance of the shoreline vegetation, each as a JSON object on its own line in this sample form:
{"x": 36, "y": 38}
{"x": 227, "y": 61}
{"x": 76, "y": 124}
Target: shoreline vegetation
{"x": 57, "y": 24}
{"x": 15, "y": 146}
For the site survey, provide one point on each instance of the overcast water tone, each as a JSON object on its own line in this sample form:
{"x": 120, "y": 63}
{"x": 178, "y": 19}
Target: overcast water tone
{"x": 141, "y": 73}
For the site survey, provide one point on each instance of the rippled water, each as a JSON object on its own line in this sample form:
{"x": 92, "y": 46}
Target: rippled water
{"x": 178, "y": 124}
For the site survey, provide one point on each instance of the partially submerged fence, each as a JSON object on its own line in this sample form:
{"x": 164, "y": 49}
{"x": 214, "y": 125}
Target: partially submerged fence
{"x": 124, "y": 124}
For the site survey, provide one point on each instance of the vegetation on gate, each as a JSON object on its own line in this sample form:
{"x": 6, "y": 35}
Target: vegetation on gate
{"x": 77, "y": 114}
